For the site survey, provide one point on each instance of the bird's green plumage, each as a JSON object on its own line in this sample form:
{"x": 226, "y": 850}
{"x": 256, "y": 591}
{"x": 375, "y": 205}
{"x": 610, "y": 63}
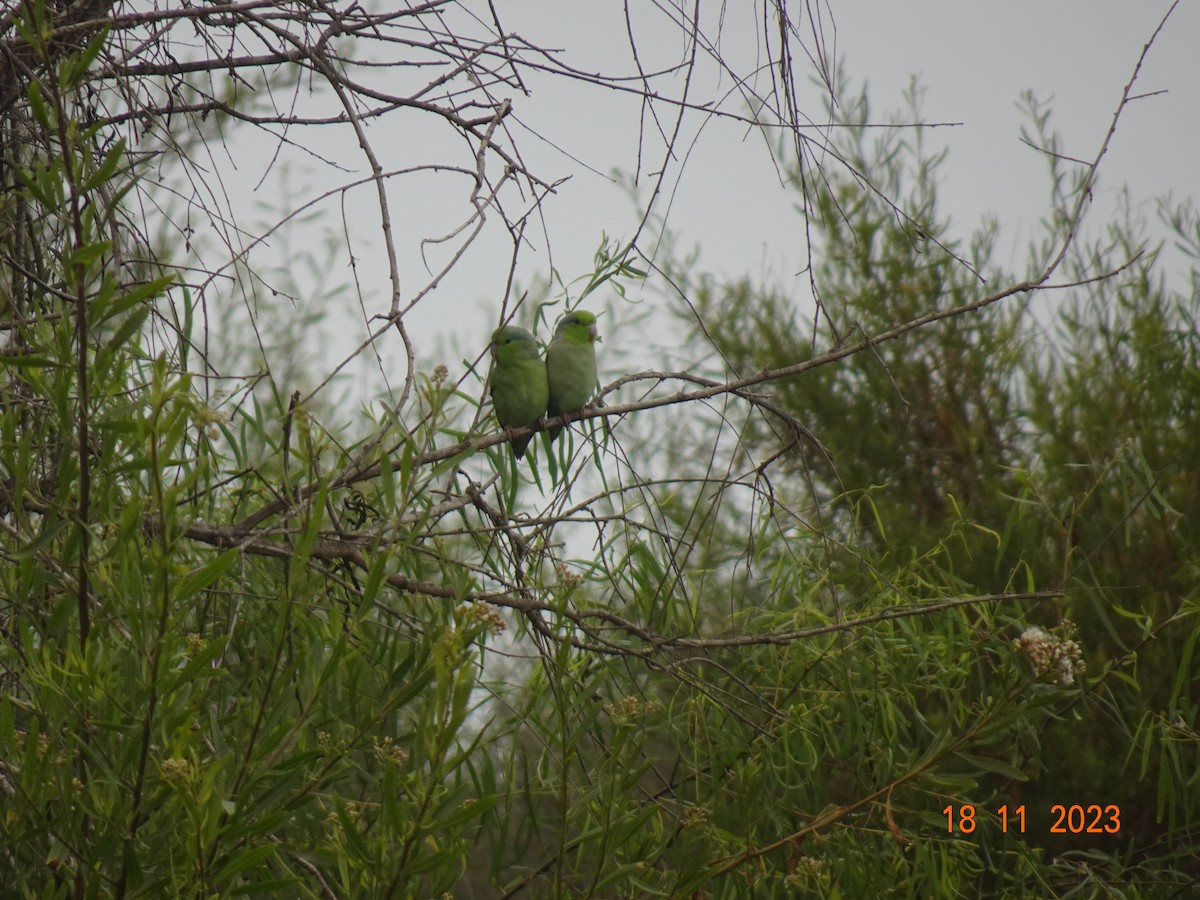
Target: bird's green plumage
{"x": 571, "y": 365}
{"x": 519, "y": 388}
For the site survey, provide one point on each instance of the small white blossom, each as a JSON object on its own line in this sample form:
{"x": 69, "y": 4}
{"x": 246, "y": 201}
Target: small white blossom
{"x": 1051, "y": 653}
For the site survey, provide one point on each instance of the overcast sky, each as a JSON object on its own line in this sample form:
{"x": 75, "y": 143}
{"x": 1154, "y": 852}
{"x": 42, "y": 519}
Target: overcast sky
{"x": 973, "y": 60}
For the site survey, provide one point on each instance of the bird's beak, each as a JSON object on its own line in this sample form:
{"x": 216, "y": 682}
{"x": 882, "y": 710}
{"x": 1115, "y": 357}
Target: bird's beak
{"x": 594, "y": 332}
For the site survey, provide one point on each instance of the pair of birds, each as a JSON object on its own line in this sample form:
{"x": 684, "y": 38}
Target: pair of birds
{"x": 524, "y": 388}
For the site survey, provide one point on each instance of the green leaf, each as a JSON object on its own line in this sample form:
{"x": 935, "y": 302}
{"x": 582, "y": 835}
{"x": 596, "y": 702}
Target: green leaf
{"x": 87, "y": 254}
{"x": 244, "y": 859}
{"x": 30, "y": 362}
{"x": 132, "y": 325}
{"x": 33, "y": 183}
{"x": 201, "y": 662}
{"x": 108, "y": 166}
{"x": 201, "y": 578}
{"x": 88, "y": 55}
{"x": 37, "y": 105}
{"x": 989, "y": 764}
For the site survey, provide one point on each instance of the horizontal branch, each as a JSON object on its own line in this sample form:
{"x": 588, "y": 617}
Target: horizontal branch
{"x": 354, "y": 551}
{"x": 709, "y": 388}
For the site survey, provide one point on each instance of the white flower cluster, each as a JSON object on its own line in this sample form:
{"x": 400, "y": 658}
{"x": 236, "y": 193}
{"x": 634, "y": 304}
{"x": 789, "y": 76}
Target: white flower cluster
{"x": 1050, "y": 653}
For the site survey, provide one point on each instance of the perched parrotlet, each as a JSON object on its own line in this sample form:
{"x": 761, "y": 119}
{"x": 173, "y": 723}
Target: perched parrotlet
{"x": 571, "y": 365}
{"x": 519, "y": 388}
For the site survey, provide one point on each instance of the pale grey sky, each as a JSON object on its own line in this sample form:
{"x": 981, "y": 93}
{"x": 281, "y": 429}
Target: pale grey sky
{"x": 722, "y": 192}
{"x": 974, "y": 61}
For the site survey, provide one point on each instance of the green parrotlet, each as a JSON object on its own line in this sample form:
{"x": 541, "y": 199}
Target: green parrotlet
{"x": 571, "y": 365}
{"x": 519, "y": 388}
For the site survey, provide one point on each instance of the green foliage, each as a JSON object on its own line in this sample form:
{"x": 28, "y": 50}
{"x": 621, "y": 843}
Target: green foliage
{"x": 180, "y": 717}
{"x": 774, "y": 646}
{"x": 982, "y": 456}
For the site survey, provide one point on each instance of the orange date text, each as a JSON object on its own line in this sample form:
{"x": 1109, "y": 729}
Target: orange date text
{"x": 1075, "y": 818}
